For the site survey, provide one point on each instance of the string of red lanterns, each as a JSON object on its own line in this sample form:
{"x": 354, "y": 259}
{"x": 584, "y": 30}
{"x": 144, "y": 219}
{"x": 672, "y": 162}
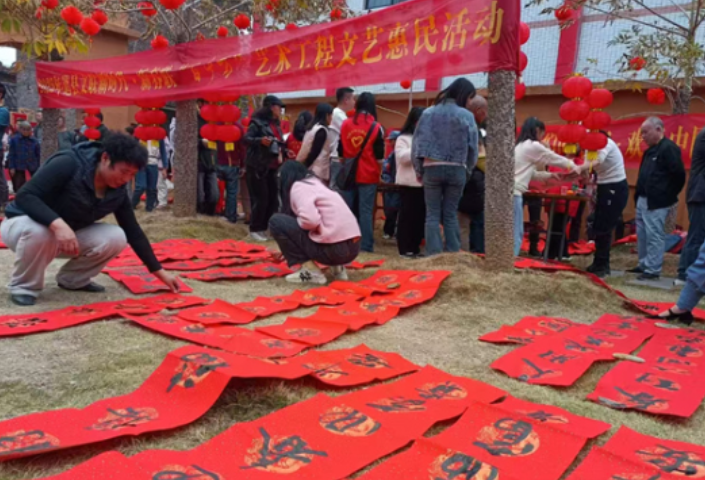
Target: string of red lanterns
{"x": 597, "y": 119}
{"x": 574, "y": 111}
{"x": 92, "y": 122}
{"x": 519, "y": 86}
{"x": 221, "y": 113}
{"x": 150, "y": 118}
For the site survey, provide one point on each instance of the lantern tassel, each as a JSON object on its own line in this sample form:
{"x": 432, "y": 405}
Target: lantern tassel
{"x": 229, "y": 147}
{"x": 212, "y": 145}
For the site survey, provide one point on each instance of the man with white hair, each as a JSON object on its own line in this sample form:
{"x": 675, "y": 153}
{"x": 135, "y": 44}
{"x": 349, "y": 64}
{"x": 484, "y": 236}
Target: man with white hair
{"x": 661, "y": 179}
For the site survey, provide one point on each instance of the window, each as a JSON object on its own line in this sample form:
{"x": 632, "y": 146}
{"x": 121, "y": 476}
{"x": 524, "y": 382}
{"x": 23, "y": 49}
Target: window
{"x": 371, "y": 4}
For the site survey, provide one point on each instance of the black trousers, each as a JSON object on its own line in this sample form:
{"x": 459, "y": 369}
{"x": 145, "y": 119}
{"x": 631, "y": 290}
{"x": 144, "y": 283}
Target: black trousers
{"x": 18, "y": 178}
{"x": 611, "y": 200}
{"x": 556, "y": 230}
{"x": 576, "y": 224}
{"x": 412, "y": 220}
{"x": 298, "y": 248}
{"x": 264, "y": 197}
{"x": 391, "y": 216}
{"x": 534, "y": 205}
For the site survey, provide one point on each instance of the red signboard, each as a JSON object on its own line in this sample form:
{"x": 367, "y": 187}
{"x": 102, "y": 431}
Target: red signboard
{"x": 412, "y": 40}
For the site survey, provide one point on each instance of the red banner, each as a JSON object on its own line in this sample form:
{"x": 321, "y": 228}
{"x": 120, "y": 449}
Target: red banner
{"x": 413, "y": 40}
{"x": 682, "y": 129}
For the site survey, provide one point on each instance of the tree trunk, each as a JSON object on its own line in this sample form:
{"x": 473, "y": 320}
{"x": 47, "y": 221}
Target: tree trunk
{"x": 499, "y": 200}
{"x": 186, "y": 159}
{"x": 681, "y": 98}
{"x": 50, "y": 128}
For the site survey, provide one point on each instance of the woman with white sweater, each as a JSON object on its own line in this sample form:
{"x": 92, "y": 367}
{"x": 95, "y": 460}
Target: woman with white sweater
{"x": 412, "y": 213}
{"x": 529, "y": 156}
{"x": 315, "y": 152}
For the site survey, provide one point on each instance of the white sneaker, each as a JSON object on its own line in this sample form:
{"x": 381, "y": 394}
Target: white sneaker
{"x": 339, "y": 273}
{"x": 678, "y": 282}
{"x": 306, "y": 276}
{"x": 258, "y": 237}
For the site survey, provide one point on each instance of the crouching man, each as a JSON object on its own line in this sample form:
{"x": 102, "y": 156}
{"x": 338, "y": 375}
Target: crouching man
{"x": 56, "y": 214}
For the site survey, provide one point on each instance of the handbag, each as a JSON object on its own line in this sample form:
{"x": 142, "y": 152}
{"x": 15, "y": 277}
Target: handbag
{"x": 345, "y": 180}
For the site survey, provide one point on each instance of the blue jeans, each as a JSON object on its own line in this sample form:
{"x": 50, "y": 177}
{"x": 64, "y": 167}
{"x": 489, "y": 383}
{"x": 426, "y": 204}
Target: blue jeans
{"x": 231, "y": 177}
{"x": 443, "y": 188}
{"x": 689, "y": 297}
{"x": 518, "y": 224}
{"x": 695, "y": 239}
{"x": 365, "y": 196}
{"x": 650, "y": 236}
{"x": 146, "y": 179}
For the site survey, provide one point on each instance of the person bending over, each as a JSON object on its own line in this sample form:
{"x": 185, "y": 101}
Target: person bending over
{"x": 56, "y": 214}
{"x": 316, "y": 225}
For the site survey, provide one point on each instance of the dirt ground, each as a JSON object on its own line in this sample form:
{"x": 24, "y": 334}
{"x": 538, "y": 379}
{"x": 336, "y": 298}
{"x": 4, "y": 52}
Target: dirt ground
{"x": 77, "y": 366}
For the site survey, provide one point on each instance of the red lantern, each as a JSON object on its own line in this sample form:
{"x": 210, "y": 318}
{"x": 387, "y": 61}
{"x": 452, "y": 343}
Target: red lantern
{"x": 571, "y": 135}
{"x": 92, "y": 121}
{"x": 577, "y": 87}
{"x": 50, "y": 4}
{"x": 597, "y": 120}
{"x": 523, "y": 61}
{"x": 209, "y": 131}
{"x": 159, "y": 42}
{"x": 574, "y": 110}
{"x": 600, "y": 98}
{"x": 656, "y": 96}
{"x": 147, "y": 9}
{"x": 637, "y": 63}
{"x": 227, "y": 113}
{"x": 524, "y": 33}
{"x": 519, "y": 91}
{"x": 291, "y": 26}
{"x": 92, "y": 134}
{"x": 593, "y": 142}
{"x": 564, "y": 13}
{"x": 209, "y": 112}
{"x": 171, "y": 4}
{"x": 405, "y": 84}
{"x": 336, "y": 14}
{"x": 92, "y": 111}
{"x": 100, "y": 17}
{"x": 222, "y": 32}
{"x": 71, "y": 15}
{"x": 155, "y": 133}
{"x": 141, "y": 133}
{"x": 38, "y": 13}
{"x": 242, "y": 21}
{"x": 150, "y": 117}
{"x": 228, "y": 133}
{"x": 89, "y": 26}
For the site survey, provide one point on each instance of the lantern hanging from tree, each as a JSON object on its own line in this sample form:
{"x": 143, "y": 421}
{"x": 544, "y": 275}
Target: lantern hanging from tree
{"x": 637, "y": 63}
{"x": 577, "y": 88}
{"x": 563, "y": 13}
{"x": 151, "y": 118}
{"x": 71, "y": 15}
{"x": 100, "y": 17}
{"x": 92, "y": 122}
{"x": 222, "y": 32}
{"x": 242, "y": 21}
{"x": 50, "y": 4}
{"x": 656, "y": 96}
{"x": 159, "y": 42}
{"x": 405, "y": 84}
{"x": 89, "y": 26}
{"x": 147, "y": 9}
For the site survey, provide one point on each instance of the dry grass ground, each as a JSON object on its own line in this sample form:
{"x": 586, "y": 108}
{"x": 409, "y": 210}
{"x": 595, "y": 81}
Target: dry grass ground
{"x": 77, "y": 366}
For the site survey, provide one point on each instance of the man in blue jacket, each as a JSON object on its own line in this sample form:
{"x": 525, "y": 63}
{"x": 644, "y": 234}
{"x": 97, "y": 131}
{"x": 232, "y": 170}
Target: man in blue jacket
{"x": 57, "y": 214}
{"x": 23, "y": 156}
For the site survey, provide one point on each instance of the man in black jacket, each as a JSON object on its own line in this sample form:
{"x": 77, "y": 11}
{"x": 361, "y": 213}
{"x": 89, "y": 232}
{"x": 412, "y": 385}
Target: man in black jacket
{"x": 695, "y": 197}
{"x": 661, "y": 179}
{"x": 56, "y": 214}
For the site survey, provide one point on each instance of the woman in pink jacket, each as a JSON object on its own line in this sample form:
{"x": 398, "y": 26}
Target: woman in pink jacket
{"x": 316, "y": 225}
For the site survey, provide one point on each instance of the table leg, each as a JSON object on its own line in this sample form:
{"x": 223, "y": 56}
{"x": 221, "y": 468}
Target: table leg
{"x": 563, "y": 235}
{"x": 552, "y": 210}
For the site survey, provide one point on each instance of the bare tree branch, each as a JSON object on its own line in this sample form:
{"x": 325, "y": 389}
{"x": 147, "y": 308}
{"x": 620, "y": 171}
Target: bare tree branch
{"x": 662, "y": 17}
{"x": 632, "y": 19}
{"x": 218, "y": 15}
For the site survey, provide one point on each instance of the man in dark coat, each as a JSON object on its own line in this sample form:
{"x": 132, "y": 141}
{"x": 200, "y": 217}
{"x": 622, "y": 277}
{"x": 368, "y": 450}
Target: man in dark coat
{"x": 695, "y": 197}
{"x": 661, "y": 179}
